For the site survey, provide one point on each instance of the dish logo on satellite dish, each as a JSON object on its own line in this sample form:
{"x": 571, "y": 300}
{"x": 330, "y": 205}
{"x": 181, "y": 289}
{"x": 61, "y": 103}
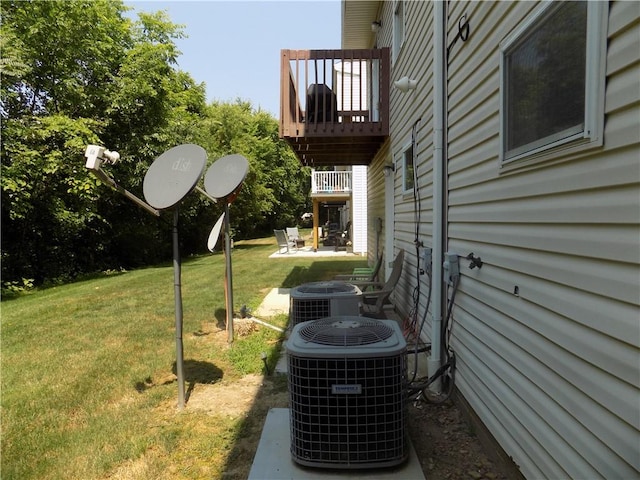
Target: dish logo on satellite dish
{"x": 181, "y": 165}
{"x": 355, "y": 389}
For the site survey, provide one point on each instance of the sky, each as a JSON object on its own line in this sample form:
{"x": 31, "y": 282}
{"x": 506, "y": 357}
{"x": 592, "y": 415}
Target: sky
{"x": 234, "y": 46}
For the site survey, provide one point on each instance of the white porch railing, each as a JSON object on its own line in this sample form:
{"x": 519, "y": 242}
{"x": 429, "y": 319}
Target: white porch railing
{"x": 331, "y": 182}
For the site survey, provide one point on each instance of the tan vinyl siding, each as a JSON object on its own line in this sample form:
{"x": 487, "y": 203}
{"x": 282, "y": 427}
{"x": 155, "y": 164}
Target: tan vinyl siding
{"x": 416, "y": 62}
{"x": 375, "y": 204}
{"x": 553, "y": 371}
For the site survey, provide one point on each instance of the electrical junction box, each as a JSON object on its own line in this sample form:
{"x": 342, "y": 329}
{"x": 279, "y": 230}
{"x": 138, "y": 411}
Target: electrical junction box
{"x": 426, "y": 260}
{"x": 451, "y": 267}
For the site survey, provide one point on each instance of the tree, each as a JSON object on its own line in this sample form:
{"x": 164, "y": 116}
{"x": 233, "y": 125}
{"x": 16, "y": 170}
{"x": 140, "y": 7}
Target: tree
{"x": 74, "y": 48}
{"x": 95, "y": 77}
{"x": 79, "y": 72}
{"x": 276, "y": 190}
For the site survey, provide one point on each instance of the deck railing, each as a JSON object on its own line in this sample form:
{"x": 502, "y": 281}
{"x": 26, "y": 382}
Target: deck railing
{"x": 335, "y": 92}
{"x": 330, "y": 182}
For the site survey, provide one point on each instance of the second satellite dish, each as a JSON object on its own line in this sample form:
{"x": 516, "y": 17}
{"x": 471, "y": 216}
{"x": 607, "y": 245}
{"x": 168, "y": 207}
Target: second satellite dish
{"x": 225, "y": 175}
{"x": 173, "y": 175}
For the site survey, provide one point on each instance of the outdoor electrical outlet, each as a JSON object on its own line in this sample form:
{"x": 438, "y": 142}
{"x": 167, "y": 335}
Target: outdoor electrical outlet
{"x": 451, "y": 267}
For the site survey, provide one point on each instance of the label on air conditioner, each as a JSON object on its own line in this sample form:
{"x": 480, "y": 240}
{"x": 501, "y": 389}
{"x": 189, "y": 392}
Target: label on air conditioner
{"x": 346, "y": 389}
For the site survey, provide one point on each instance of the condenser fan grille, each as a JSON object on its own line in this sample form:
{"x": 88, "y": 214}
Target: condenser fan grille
{"x": 327, "y": 288}
{"x": 305, "y": 310}
{"x": 343, "y": 333}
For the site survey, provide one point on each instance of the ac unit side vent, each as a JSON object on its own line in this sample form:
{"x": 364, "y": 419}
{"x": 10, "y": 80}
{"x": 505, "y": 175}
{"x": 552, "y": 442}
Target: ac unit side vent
{"x": 327, "y": 288}
{"x": 348, "y": 430}
{"x": 309, "y": 309}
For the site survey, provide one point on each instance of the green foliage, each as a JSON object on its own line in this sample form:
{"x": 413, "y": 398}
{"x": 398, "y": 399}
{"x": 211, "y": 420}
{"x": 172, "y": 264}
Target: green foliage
{"x": 17, "y": 288}
{"x": 73, "y": 47}
{"x": 79, "y": 72}
{"x": 275, "y": 192}
{"x": 48, "y": 201}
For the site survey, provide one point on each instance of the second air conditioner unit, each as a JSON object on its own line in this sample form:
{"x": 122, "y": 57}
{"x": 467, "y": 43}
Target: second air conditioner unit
{"x": 315, "y": 300}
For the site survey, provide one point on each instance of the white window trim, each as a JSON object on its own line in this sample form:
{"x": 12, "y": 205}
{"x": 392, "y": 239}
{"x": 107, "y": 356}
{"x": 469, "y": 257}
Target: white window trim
{"x": 595, "y": 72}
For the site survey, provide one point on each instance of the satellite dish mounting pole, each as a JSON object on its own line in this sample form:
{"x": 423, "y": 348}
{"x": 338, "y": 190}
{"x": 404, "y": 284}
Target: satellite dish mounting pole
{"x": 228, "y": 274}
{"x": 177, "y": 292}
{"x": 223, "y": 181}
{"x": 168, "y": 180}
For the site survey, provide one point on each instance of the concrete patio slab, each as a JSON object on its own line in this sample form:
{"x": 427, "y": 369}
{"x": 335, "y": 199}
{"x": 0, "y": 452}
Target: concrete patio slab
{"x": 307, "y": 251}
{"x": 273, "y": 458}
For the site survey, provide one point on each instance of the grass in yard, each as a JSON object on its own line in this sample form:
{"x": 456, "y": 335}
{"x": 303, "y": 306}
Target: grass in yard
{"x": 88, "y": 370}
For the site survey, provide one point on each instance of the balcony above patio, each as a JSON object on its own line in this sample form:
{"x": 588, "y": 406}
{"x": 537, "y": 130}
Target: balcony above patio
{"x": 331, "y": 185}
{"x": 334, "y": 104}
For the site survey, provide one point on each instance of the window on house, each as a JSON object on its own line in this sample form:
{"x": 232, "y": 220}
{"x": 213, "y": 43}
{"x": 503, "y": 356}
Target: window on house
{"x": 407, "y": 169}
{"x": 553, "y": 80}
{"x": 398, "y": 29}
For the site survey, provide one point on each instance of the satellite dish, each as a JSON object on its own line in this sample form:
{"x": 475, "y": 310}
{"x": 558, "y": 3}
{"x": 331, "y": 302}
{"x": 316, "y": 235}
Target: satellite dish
{"x": 173, "y": 175}
{"x": 215, "y": 233}
{"x": 225, "y": 175}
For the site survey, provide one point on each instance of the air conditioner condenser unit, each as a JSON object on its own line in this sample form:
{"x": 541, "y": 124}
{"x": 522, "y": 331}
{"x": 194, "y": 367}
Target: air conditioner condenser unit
{"x": 315, "y": 300}
{"x": 347, "y": 380}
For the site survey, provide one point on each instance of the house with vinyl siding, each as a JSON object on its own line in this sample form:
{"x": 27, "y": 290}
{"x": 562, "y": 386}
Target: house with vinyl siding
{"x": 518, "y": 142}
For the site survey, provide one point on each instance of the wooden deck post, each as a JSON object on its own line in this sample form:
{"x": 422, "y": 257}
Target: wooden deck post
{"x": 316, "y": 215}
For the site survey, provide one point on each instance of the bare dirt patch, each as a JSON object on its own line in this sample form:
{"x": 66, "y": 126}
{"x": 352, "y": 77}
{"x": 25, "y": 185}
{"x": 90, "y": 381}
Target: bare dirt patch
{"x": 272, "y": 394}
{"x": 231, "y": 398}
{"x": 447, "y": 445}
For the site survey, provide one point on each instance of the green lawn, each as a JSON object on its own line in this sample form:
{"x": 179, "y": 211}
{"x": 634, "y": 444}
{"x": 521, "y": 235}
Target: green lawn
{"x": 88, "y": 390}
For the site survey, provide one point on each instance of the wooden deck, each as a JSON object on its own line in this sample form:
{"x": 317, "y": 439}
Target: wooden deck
{"x": 334, "y": 107}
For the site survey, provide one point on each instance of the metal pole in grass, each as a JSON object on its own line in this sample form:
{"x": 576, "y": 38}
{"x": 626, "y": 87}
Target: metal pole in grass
{"x": 177, "y": 293}
{"x": 228, "y": 274}
{"x": 224, "y": 180}
{"x": 168, "y": 180}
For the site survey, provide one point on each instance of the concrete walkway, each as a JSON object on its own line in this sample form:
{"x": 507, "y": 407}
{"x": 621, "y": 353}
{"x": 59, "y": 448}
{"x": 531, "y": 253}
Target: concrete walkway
{"x": 275, "y": 303}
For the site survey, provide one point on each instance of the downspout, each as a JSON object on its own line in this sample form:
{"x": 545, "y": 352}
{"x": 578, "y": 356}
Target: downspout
{"x": 439, "y": 186}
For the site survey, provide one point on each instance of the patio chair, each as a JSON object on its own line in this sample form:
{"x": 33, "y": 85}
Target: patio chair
{"x": 294, "y": 236}
{"x": 292, "y": 233}
{"x": 373, "y": 301}
{"x": 362, "y": 274}
{"x": 283, "y": 241}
